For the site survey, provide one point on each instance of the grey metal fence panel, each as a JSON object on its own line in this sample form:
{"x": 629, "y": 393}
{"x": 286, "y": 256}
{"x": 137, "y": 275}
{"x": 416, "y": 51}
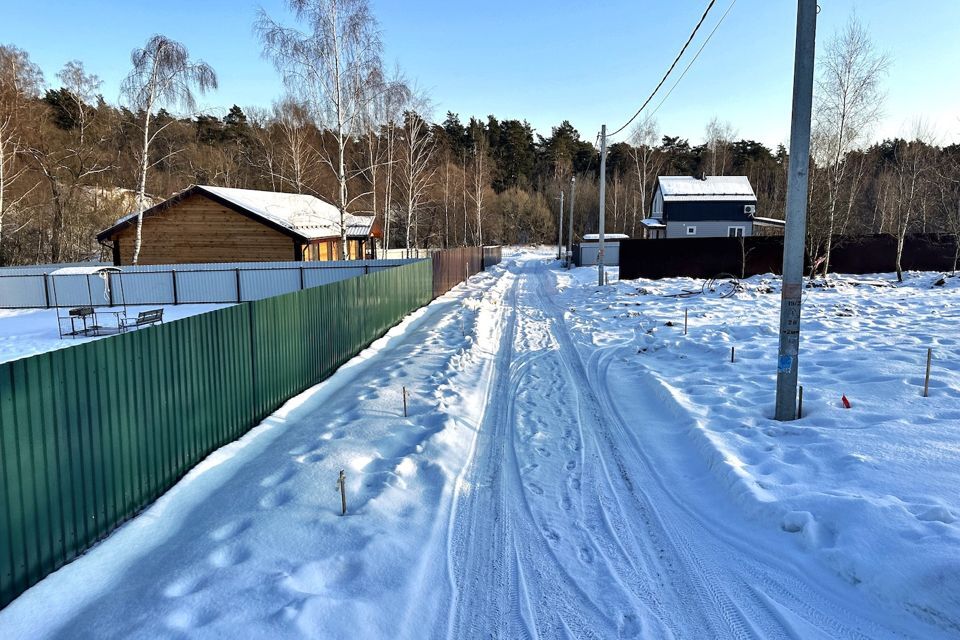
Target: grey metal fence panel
{"x": 195, "y": 283}
{"x": 22, "y": 291}
{"x": 207, "y": 286}
{"x": 257, "y": 284}
{"x": 76, "y": 290}
{"x": 142, "y": 288}
{"x": 318, "y": 277}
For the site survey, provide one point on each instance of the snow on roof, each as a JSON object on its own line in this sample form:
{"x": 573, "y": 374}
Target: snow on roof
{"x": 606, "y": 236}
{"x": 674, "y": 188}
{"x": 303, "y": 213}
{"x": 653, "y": 223}
{"x": 83, "y": 271}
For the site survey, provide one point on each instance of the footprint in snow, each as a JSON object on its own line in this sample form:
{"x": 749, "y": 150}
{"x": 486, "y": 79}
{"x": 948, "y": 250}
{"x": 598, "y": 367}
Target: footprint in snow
{"x": 275, "y": 499}
{"x": 311, "y": 458}
{"x": 629, "y": 626}
{"x": 277, "y": 478}
{"x": 535, "y": 488}
{"x": 188, "y": 618}
{"x": 229, "y": 530}
{"x": 228, "y": 555}
{"x": 585, "y": 554}
{"x": 185, "y": 586}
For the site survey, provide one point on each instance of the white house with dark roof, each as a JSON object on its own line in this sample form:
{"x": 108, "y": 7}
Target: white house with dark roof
{"x": 707, "y": 207}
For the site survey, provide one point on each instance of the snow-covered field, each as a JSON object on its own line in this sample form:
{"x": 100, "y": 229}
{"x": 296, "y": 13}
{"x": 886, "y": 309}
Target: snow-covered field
{"x": 872, "y": 492}
{"x": 571, "y": 466}
{"x": 25, "y": 332}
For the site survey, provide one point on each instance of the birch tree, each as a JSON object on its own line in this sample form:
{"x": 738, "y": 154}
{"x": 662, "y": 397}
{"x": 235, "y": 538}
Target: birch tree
{"x": 334, "y": 64}
{"x": 909, "y": 167}
{"x": 646, "y": 161}
{"x": 297, "y": 159}
{"x": 380, "y": 125}
{"x": 415, "y": 167}
{"x": 163, "y": 75}
{"x": 719, "y": 137}
{"x": 849, "y": 102}
{"x": 479, "y": 178}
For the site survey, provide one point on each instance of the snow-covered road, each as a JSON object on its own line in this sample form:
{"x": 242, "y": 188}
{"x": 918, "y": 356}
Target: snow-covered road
{"x": 542, "y": 486}
{"x": 579, "y": 519}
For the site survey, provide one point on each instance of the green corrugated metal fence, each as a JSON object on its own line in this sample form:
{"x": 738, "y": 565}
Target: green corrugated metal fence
{"x": 91, "y": 434}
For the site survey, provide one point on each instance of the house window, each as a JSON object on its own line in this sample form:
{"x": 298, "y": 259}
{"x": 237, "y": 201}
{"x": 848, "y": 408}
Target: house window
{"x": 734, "y": 232}
{"x": 691, "y": 231}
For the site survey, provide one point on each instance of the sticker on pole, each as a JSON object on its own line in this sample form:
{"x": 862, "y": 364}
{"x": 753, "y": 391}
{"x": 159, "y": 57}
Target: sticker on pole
{"x": 785, "y": 364}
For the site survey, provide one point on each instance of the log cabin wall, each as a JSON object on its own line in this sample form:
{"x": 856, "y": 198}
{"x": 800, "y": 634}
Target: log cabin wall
{"x": 201, "y": 230}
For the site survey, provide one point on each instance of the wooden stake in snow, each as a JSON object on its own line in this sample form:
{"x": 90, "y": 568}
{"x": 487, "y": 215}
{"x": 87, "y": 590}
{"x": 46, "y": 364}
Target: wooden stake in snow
{"x": 404, "y": 402}
{"x": 800, "y": 403}
{"x": 926, "y": 380}
{"x": 733, "y": 352}
{"x": 685, "y": 322}
{"x": 342, "y": 485}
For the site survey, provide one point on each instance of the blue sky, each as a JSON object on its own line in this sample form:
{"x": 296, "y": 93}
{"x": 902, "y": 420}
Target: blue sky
{"x": 544, "y": 61}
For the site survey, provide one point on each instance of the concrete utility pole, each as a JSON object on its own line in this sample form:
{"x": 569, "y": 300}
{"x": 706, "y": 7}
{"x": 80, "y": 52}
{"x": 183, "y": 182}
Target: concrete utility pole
{"x": 560, "y": 228}
{"x": 796, "y": 215}
{"x": 573, "y": 197}
{"x": 603, "y": 200}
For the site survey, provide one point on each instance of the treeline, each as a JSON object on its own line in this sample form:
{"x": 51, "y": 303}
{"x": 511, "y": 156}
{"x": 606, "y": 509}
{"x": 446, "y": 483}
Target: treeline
{"x": 71, "y": 162}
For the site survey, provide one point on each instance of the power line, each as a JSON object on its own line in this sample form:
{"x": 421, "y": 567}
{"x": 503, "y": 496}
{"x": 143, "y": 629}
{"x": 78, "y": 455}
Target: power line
{"x": 664, "y": 78}
{"x": 695, "y": 56}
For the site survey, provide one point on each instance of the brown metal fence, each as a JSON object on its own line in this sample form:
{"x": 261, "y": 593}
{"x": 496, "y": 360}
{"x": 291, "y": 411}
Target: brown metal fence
{"x": 453, "y": 266}
{"x": 491, "y": 256}
{"x": 707, "y": 257}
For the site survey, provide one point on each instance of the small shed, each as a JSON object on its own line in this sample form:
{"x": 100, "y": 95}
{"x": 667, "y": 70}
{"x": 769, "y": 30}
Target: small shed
{"x": 589, "y": 248}
{"x": 218, "y": 224}
{"x": 705, "y": 207}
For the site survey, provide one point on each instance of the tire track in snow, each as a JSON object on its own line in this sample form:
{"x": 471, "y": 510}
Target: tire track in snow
{"x": 495, "y": 529}
{"x": 736, "y": 603}
{"x": 562, "y": 526}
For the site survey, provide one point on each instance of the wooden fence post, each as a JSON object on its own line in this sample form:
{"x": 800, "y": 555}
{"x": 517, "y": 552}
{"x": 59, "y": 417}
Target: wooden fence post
{"x": 926, "y": 380}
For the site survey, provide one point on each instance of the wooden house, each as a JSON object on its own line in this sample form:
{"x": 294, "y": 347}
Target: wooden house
{"x": 705, "y": 207}
{"x": 218, "y": 224}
